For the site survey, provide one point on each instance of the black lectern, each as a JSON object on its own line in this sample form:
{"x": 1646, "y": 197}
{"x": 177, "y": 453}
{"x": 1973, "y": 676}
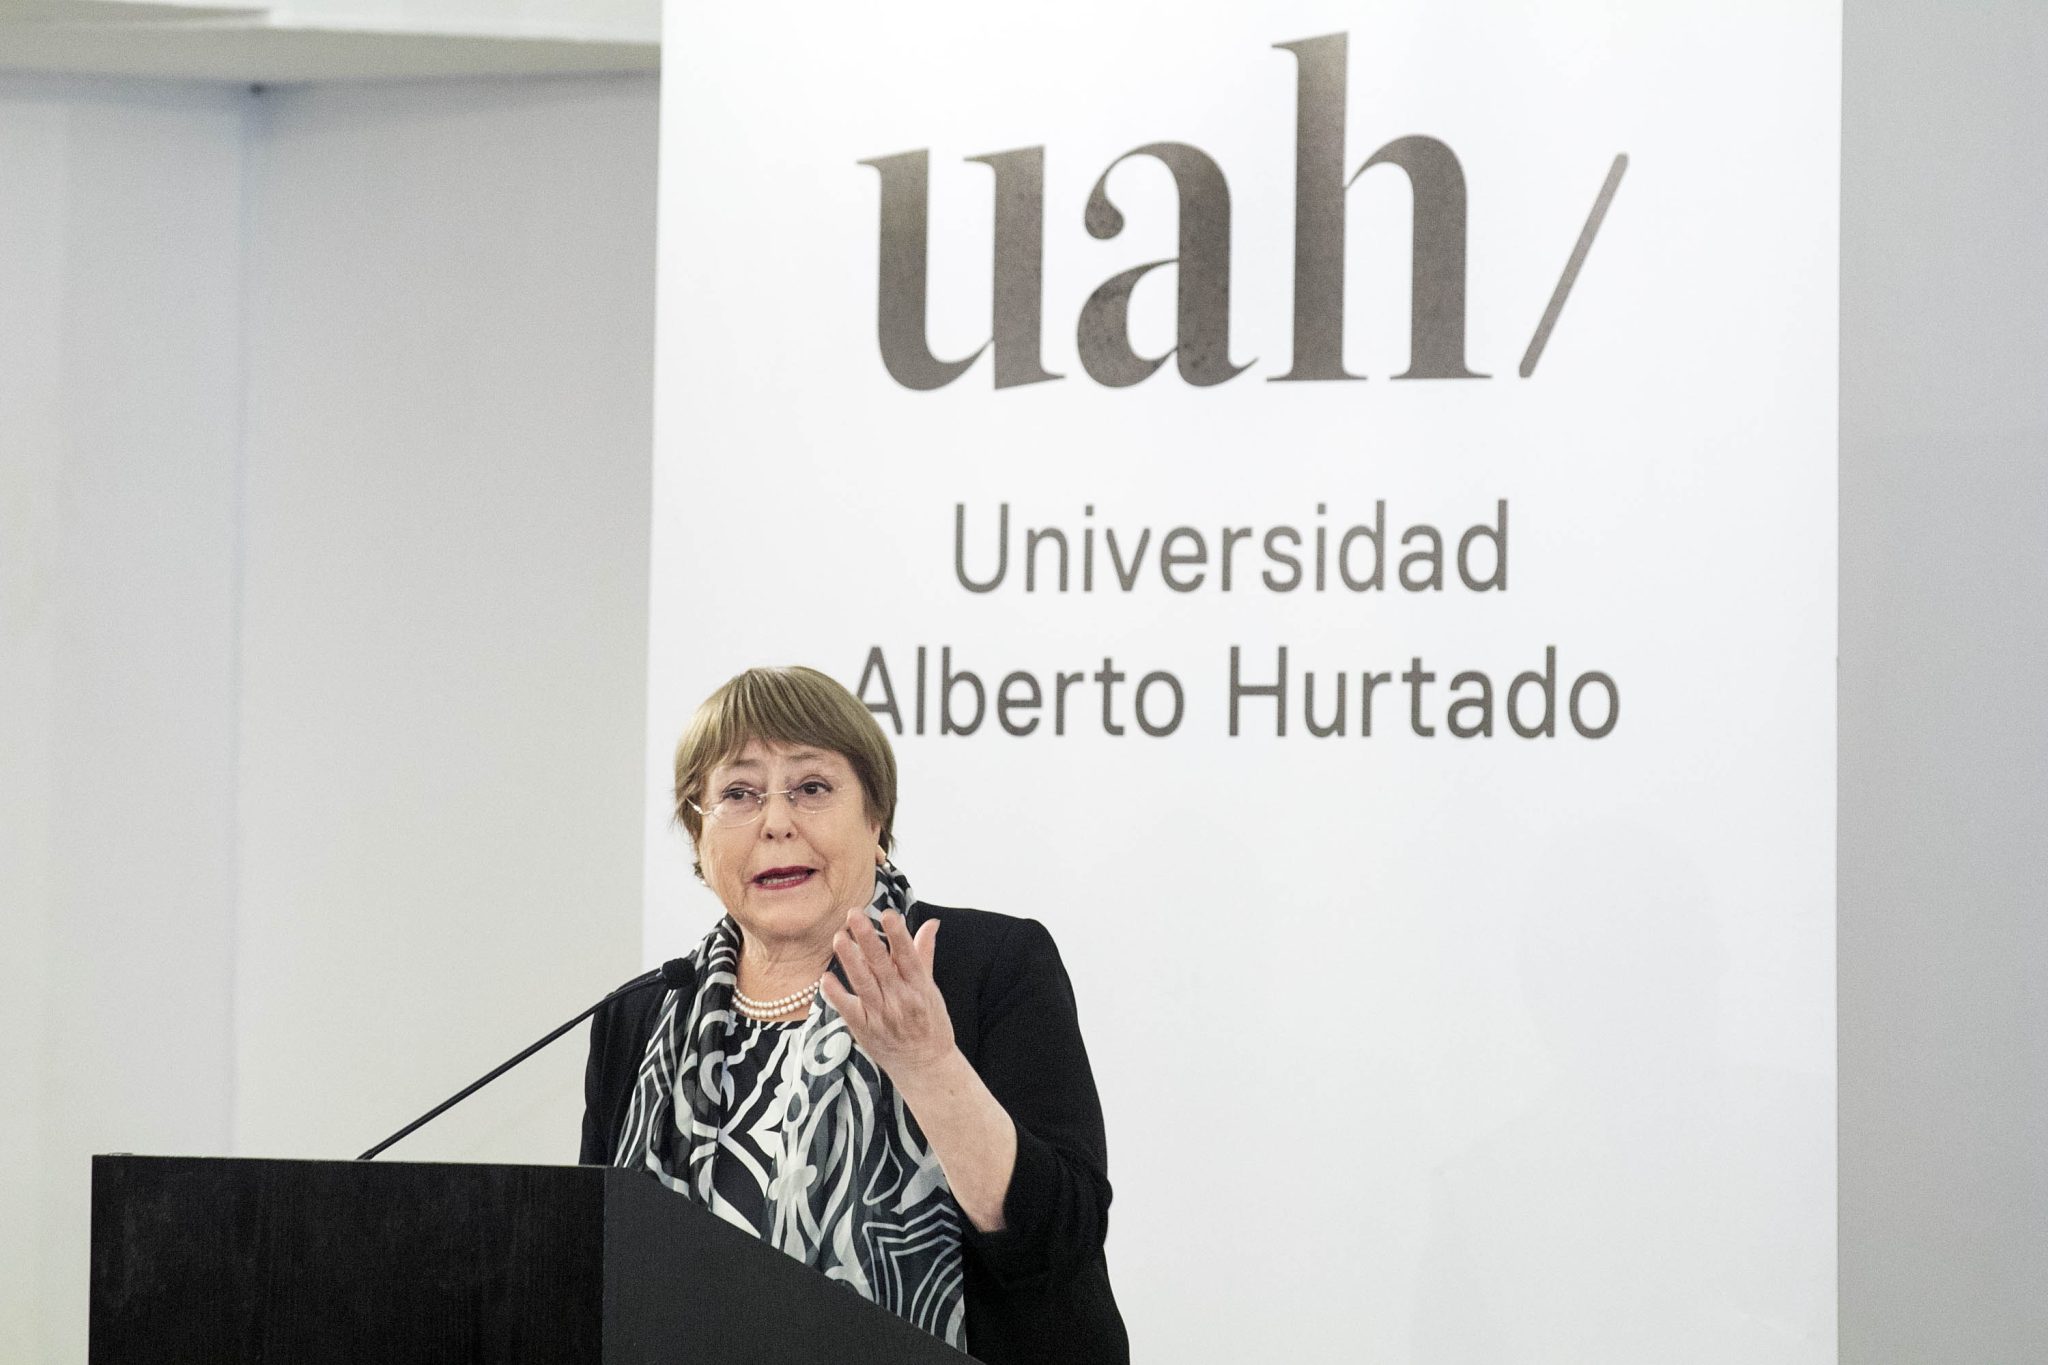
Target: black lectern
{"x": 231, "y": 1262}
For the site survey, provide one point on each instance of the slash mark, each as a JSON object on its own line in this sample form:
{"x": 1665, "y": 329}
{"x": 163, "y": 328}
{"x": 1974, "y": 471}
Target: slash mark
{"x": 1571, "y": 267}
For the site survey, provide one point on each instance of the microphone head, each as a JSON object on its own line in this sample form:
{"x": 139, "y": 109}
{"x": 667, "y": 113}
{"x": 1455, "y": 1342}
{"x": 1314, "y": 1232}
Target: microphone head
{"x": 677, "y": 974}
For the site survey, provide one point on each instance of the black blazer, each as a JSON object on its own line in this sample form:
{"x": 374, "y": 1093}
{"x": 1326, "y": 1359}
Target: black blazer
{"x": 1039, "y": 1289}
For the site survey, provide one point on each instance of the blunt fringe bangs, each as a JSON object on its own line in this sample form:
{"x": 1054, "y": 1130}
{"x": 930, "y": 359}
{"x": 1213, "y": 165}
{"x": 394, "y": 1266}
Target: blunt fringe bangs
{"x": 799, "y": 706}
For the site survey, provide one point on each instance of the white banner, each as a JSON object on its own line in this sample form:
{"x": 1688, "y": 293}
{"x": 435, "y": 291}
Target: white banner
{"x": 1335, "y": 504}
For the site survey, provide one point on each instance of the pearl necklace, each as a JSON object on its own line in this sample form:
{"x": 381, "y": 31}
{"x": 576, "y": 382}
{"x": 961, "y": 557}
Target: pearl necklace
{"x": 775, "y": 1009}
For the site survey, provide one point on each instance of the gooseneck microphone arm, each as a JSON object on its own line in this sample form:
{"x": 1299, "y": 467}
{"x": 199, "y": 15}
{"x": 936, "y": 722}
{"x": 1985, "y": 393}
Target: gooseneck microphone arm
{"x": 676, "y": 974}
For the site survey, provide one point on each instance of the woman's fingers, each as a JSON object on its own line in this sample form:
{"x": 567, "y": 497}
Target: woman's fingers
{"x": 846, "y": 1002}
{"x": 910, "y": 965}
{"x": 890, "y": 1000}
{"x": 881, "y": 961}
{"x": 913, "y": 956}
{"x": 853, "y": 959}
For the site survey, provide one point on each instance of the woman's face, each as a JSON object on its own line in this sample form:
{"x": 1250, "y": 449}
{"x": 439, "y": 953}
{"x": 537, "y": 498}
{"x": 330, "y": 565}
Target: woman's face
{"x": 791, "y": 875}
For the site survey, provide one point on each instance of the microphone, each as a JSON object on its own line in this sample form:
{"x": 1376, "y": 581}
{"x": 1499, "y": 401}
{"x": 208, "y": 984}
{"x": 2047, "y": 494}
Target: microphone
{"x": 677, "y": 974}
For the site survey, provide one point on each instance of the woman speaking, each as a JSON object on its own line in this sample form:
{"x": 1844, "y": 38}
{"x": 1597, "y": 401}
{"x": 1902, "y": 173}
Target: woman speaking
{"x": 891, "y": 1091}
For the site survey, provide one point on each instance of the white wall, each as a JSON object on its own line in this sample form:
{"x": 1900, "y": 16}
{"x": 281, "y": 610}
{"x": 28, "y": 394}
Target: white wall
{"x": 449, "y": 345}
{"x": 323, "y": 503}
{"x": 1944, "y": 637}
{"x": 120, "y": 244}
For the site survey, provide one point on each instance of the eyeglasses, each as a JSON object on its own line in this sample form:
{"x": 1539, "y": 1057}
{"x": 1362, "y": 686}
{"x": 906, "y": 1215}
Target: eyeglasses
{"x": 737, "y": 805}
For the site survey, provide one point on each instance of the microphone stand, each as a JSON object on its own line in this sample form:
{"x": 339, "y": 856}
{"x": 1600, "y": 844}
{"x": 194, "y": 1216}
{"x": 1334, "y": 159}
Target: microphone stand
{"x": 674, "y": 973}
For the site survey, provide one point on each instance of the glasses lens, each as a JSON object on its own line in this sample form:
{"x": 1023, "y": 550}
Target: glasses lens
{"x": 737, "y": 807}
{"x": 812, "y": 796}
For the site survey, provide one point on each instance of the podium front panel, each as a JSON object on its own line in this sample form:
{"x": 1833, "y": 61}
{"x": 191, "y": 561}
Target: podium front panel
{"x": 307, "y": 1262}
{"x": 250, "y": 1262}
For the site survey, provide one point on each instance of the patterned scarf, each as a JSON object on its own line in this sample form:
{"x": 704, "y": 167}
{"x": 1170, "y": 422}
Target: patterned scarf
{"x": 855, "y": 1190}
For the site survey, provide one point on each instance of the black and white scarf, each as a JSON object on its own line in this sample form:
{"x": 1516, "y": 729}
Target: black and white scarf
{"x": 855, "y": 1190}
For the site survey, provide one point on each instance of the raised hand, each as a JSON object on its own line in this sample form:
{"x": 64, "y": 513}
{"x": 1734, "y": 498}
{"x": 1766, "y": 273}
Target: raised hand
{"x": 898, "y": 1017}
{"x": 894, "y": 1008}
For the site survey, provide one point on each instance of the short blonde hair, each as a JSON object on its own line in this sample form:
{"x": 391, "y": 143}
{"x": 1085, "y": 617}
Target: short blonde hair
{"x": 787, "y": 706}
